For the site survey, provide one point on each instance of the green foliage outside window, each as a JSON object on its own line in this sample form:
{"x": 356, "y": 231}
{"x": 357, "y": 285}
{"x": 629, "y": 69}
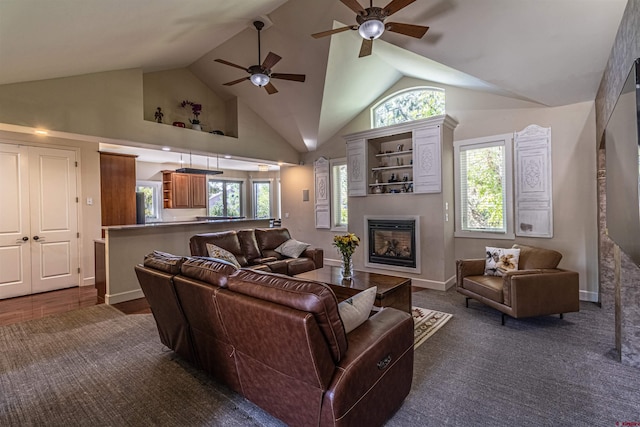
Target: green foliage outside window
{"x": 483, "y": 188}
{"x": 343, "y": 199}
{"x": 262, "y": 199}
{"x": 409, "y": 105}
{"x": 224, "y": 198}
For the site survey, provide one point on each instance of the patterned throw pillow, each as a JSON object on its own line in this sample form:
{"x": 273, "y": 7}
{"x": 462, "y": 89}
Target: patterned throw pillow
{"x": 223, "y": 254}
{"x": 355, "y": 310}
{"x": 292, "y": 248}
{"x": 499, "y": 261}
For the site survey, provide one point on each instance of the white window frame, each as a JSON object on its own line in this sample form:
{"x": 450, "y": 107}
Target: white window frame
{"x": 505, "y": 140}
{"x": 335, "y": 225}
{"x": 156, "y": 187}
{"x": 401, "y": 92}
{"x": 254, "y": 204}
{"x": 243, "y": 191}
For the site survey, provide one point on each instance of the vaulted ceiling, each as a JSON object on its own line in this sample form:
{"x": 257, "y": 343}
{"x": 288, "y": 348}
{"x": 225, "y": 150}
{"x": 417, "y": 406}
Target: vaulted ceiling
{"x": 552, "y": 52}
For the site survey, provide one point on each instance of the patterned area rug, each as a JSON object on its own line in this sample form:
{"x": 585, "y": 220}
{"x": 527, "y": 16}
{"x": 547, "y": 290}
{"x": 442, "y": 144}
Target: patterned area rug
{"x": 426, "y": 323}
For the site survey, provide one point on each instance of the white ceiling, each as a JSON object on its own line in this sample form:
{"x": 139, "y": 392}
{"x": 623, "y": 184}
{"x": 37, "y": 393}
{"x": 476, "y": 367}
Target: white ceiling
{"x": 552, "y": 52}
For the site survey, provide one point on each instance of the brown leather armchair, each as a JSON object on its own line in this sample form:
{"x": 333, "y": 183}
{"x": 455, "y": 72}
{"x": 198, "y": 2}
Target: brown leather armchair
{"x": 537, "y": 288}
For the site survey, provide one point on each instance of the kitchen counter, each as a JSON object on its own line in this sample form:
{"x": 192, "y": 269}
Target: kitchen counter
{"x": 127, "y": 245}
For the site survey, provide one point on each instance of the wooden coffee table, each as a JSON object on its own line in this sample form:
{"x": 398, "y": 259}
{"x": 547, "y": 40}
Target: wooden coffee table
{"x": 392, "y": 291}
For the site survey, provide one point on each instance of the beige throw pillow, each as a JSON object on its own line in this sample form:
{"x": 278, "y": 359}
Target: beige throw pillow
{"x": 223, "y": 254}
{"x": 292, "y": 248}
{"x": 355, "y": 310}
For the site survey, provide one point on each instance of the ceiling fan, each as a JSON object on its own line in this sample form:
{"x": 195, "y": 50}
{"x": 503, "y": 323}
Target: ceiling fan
{"x": 371, "y": 23}
{"x": 261, "y": 74}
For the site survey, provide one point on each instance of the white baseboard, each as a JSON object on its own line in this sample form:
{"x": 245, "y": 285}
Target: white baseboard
{"x": 88, "y": 281}
{"x": 588, "y": 296}
{"x": 123, "y": 297}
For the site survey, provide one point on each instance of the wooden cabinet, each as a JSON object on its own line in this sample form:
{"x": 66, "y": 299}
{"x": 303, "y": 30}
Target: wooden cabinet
{"x": 183, "y": 190}
{"x": 403, "y": 158}
{"x": 118, "y": 188}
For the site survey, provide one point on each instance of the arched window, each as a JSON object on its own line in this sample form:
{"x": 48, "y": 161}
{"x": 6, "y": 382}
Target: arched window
{"x": 407, "y": 105}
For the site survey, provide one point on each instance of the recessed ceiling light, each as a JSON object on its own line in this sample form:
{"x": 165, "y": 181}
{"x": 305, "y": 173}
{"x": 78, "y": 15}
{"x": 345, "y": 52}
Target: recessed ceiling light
{"x": 226, "y": 156}
{"x": 166, "y": 149}
{"x": 41, "y": 132}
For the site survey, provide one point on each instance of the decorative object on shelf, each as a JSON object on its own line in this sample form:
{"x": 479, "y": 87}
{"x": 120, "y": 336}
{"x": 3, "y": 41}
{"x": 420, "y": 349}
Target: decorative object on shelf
{"x": 217, "y": 132}
{"x": 400, "y": 147}
{"x": 158, "y": 115}
{"x": 178, "y": 124}
{"x": 346, "y": 245}
{"x": 196, "y": 109}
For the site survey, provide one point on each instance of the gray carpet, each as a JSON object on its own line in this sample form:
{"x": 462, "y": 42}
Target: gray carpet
{"x": 98, "y": 367}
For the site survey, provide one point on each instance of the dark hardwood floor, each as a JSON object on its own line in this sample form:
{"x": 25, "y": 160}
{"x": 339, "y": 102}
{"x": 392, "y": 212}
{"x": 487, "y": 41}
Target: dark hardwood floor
{"x": 19, "y": 309}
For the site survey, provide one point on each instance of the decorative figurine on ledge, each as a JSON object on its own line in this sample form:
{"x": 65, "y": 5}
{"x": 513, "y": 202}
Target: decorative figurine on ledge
{"x": 196, "y": 109}
{"x": 158, "y": 115}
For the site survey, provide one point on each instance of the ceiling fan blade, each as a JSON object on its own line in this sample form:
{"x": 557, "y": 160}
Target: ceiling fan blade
{"x": 353, "y": 5}
{"x": 334, "y": 31}
{"x": 395, "y": 6}
{"x": 271, "y": 60}
{"x": 366, "y": 48}
{"x": 411, "y": 30}
{"x": 235, "y": 82}
{"x": 222, "y": 61}
{"x": 294, "y": 77}
{"x": 271, "y": 89}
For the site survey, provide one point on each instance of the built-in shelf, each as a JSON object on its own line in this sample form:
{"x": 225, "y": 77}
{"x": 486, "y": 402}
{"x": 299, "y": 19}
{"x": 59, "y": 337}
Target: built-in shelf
{"x": 394, "y": 153}
{"x": 386, "y": 168}
{"x": 391, "y": 183}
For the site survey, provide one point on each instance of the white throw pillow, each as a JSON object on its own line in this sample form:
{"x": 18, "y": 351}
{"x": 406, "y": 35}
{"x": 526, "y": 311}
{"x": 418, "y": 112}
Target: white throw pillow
{"x": 355, "y": 310}
{"x": 292, "y": 248}
{"x": 499, "y": 261}
{"x": 223, "y": 254}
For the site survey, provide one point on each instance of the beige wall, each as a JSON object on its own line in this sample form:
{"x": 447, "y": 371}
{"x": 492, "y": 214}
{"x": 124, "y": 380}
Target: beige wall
{"x": 89, "y": 187}
{"x": 110, "y": 105}
{"x": 480, "y": 114}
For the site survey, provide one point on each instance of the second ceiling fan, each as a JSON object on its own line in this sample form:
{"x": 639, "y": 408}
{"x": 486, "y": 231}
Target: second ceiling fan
{"x": 261, "y": 75}
{"x": 371, "y": 23}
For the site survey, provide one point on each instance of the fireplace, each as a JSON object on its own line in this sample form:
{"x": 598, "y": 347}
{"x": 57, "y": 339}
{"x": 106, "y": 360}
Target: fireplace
{"x": 392, "y": 244}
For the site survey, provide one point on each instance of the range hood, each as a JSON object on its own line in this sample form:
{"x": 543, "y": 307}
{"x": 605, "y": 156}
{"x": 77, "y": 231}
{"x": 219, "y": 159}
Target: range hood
{"x": 199, "y": 171}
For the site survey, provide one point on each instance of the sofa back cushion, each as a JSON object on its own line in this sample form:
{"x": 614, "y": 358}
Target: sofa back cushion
{"x": 213, "y": 272}
{"x": 227, "y": 240}
{"x": 249, "y": 244}
{"x": 532, "y": 257}
{"x": 269, "y": 239}
{"x": 313, "y": 297}
{"x": 165, "y": 262}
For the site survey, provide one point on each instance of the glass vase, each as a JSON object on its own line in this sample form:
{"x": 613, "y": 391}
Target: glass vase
{"x": 347, "y": 267}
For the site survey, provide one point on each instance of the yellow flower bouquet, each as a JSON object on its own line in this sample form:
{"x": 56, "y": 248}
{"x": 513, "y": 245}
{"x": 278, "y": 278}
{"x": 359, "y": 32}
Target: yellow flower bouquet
{"x": 347, "y": 245}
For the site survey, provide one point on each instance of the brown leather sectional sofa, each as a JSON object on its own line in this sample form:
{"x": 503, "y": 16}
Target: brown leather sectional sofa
{"x": 280, "y": 342}
{"x": 254, "y": 249}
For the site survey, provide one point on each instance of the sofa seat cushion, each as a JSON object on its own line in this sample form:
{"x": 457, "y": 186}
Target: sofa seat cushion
{"x": 305, "y": 295}
{"x": 208, "y": 270}
{"x": 299, "y": 265}
{"x": 277, "y": 266}
{"x": 489, "y": 287}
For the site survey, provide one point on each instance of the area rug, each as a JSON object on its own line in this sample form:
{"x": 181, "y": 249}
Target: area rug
{"x": 426, "y": 323}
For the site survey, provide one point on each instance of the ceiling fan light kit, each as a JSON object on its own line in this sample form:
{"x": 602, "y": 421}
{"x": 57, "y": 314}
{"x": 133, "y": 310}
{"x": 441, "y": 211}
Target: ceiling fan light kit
{"x": 371, "y": 23}
{"x": 261, "y": 75}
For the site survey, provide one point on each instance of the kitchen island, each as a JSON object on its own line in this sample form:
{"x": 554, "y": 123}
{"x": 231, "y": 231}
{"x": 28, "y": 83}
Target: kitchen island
{"x": 126, "y": 245}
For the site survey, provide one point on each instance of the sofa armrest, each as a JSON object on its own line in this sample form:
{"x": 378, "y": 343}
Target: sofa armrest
{"x": 378, "y": 364}
{"x": 541, "y": 291}
{"x": 468, "y": 267}
{"x": 316, "y": 255}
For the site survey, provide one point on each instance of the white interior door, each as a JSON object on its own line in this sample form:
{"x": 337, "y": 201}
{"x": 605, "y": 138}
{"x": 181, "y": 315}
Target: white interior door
{"x": 38, "y": 220}
{"x": 15, "y": 251}
{"x": 54, "y": 219}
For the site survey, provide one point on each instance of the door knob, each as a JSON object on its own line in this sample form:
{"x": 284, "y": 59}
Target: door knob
{"x": 25, "y": 238}
{"x": 36, "y": 238}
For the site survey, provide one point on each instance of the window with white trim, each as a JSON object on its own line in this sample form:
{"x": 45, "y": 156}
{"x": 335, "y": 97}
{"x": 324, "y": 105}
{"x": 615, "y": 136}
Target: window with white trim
{"x": 225, "y": 198}
{"x": 409, "y": 104}
{"x": 261, "y": 199}
{"x": 484, "y": 187}
{"x": 339, "y": 196}
{"x": 152, "y": 191}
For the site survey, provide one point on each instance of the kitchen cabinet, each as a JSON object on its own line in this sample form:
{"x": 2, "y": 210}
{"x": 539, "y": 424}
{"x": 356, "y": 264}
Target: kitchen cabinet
{"x": 118, "y": 188}
{"x": 183, "y": 190}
